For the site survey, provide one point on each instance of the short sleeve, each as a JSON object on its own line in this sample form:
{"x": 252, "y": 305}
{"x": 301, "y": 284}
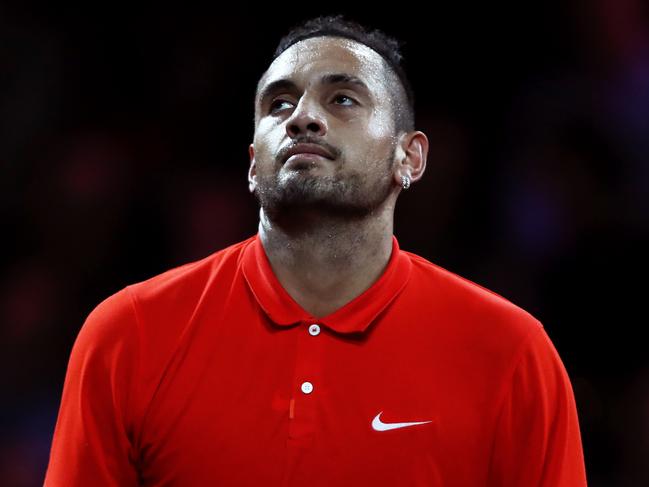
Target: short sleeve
{"x": 537, "y": 441}
{"x": 92, "y": 442}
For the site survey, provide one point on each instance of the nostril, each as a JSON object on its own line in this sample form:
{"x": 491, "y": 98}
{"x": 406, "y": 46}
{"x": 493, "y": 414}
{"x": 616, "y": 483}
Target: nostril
{"x": 294, "y": 128}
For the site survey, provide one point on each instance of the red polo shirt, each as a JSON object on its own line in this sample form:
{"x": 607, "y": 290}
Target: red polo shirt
{"x": 210, "y": 374}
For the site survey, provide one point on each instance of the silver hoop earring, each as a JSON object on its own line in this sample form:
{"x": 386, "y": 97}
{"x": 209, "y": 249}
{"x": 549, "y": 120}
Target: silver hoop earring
{"x": 405, "y": 182}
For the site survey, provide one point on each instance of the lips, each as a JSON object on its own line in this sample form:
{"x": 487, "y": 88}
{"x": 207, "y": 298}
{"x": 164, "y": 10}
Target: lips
{"x": 307, "y": 149}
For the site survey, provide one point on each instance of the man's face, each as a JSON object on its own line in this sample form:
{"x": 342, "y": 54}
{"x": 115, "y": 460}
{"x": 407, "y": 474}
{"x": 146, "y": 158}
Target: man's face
{"x": 331, "y": 93}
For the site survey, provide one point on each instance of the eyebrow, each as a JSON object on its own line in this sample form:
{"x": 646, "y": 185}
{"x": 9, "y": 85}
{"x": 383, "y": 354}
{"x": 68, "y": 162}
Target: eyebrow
{"x": 326, "y": 79}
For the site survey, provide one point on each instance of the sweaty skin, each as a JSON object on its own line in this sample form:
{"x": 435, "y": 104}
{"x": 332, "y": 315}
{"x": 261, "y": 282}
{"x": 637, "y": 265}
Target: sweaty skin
{"x": 326, "y": 223}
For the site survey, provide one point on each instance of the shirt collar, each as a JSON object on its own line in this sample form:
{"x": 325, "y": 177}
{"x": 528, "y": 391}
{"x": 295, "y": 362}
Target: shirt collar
{"x": 355, "y": 316}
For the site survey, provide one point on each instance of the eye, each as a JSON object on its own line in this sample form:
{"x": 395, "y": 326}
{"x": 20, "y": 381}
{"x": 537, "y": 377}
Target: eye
{"x": 349, "y": 100}
{"x": 277, "y": 104}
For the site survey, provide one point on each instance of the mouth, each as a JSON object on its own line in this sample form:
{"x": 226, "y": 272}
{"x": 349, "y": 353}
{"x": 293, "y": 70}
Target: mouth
{"x": 306, "y": 152}
{"x": 308, "y": 157}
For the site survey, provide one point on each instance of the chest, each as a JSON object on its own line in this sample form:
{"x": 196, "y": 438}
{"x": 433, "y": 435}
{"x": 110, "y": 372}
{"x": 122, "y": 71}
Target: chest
{"x": 244, "y": 402}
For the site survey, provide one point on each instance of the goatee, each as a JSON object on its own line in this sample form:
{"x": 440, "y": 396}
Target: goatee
{"x": 331, "y": 196}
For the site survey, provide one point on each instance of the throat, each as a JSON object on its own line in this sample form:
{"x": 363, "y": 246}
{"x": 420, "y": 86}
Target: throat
{"x": 324, "y": 270}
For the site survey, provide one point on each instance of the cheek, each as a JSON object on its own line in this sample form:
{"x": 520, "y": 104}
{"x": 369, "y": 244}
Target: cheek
{"x": 267, "y": 144}
{"x": 378, "y": 142}
{"x": 369, "y": 157}
{"x": 379, "y": 132}
{"x": 380, "y": 125}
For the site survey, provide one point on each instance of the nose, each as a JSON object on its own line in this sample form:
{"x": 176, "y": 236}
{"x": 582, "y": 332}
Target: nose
{"x": 306, "y": 119}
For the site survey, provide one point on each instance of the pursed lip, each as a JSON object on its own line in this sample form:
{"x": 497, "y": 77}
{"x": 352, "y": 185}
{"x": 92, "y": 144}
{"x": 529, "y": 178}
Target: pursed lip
{"x": 307, "y": 149}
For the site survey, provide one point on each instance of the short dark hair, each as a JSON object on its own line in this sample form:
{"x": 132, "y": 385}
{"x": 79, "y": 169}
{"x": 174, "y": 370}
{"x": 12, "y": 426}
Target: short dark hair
{"x": 387, "y": 47}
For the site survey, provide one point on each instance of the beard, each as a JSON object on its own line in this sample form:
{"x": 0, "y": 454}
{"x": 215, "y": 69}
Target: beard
{"x": 341, "y": 196}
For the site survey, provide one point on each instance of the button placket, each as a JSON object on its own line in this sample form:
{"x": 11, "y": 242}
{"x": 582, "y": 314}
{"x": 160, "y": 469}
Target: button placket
{"x": 306, "y": 381}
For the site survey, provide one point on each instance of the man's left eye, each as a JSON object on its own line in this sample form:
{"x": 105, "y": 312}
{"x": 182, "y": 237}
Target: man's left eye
{"x": 348, "y": 101}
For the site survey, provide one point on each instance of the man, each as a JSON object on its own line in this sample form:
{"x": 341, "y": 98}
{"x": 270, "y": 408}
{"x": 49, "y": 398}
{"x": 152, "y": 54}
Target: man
{"x": 317, "y": 353}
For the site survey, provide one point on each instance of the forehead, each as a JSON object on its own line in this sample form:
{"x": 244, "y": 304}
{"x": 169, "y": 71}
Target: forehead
{"x": 306, "y": 60}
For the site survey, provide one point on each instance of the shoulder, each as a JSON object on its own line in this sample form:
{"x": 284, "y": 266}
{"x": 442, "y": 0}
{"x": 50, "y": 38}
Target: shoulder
{"x": 472, "y": 307}
{"x": 190, "y": 277}
{"x": 171, "y": 293}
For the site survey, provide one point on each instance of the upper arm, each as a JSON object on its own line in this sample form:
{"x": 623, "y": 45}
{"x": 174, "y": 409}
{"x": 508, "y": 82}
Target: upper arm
{"x": 537, "y": 440}
{"x": 92, "y": 443}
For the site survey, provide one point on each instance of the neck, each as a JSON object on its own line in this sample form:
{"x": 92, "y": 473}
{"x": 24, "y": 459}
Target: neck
{"x": 325, "y": 262}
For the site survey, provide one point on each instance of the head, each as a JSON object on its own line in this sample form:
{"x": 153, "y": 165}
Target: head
{"x": 336, "y": 89}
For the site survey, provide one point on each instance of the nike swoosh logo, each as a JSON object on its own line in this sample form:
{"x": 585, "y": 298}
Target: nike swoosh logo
{"x": 378, "y": 425}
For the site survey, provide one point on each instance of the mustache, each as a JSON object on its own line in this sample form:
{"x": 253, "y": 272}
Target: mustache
{"x": 283, "y": 152}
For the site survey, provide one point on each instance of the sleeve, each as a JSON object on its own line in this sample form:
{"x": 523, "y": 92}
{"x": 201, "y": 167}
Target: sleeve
{"x": 92, "y": 442}
{"x": 537, "y": 441}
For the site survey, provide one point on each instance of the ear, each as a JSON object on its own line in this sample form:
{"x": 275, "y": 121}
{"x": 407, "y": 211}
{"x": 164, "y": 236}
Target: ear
{"x": 252, "y": 171}
{"x": 412, "y": 153}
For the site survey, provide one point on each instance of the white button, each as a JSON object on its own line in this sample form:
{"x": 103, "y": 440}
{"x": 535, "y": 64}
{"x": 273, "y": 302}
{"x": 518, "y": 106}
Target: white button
{"x": 307, "y": 387}
{"x": 314, "y": 330}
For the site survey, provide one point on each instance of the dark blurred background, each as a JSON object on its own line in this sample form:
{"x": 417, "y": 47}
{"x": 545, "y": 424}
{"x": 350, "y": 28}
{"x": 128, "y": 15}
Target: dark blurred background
{"x": 123, "y": 153}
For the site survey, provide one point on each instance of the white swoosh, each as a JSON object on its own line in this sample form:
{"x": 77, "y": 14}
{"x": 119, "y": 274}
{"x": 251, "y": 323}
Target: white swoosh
{"x": 378, "y": 425}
